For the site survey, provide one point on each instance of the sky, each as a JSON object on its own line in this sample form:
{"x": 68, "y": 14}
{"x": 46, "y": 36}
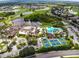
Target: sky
{"x": 41, "y": 0}
{"x": 68, "y": 0}
{"x": 64, "y": 0}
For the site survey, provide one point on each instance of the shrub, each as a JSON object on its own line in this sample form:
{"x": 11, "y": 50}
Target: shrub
{"x": 76, "y": 46}
{"x": 34, "y": 42}
{"x": 22, "y": 35}
{"x": 21, "y": 45}
{"x": 43, "y": 49}
{"x": 5, "y": 14}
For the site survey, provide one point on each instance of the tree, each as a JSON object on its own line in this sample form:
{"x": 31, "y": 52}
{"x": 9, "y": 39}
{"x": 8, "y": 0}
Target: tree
{"x": 26, "y": 51}
{"x": 72, "y": 37}
{"x": 34, "y": 42}
{"x": 21, "y": 15}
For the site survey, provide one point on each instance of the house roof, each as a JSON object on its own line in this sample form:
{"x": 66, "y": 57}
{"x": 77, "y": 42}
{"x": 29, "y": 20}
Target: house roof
{"x": 76, "y": 17}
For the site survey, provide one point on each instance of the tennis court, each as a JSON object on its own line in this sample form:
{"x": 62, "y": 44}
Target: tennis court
{"x": 54, "y": 42}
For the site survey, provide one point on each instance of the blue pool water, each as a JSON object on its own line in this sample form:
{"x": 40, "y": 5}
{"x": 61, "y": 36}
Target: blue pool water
{"x": 52, "y": 29}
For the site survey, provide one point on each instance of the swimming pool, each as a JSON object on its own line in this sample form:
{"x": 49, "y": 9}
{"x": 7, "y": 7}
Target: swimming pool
{"x": 53, "y": 29}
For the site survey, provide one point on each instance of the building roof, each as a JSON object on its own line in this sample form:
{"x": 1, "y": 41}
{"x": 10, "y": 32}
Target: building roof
{"x": 27, "y": 13}
{"x": 1, "y": 18}
{"x": 33, "y": 23}
{"x": 75, "y": 17}
{"x": 19, "y": 21}
{"x": 2, "y": 24}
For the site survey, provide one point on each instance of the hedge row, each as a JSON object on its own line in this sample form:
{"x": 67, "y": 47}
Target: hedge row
{"x": 43, "y": 49}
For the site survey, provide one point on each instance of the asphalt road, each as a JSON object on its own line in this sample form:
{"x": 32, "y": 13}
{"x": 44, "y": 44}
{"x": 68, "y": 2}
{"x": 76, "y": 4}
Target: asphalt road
{"x": 57, "y": 54}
